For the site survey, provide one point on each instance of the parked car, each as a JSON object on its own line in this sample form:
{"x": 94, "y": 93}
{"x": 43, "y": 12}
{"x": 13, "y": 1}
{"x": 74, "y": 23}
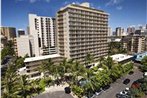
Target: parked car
{"x": 131, "y": 72}
{"x": 106, "y": 87}
{"x": 98, "y": 91}
{"x": 123, "y": 94}
{"x": 67, "y": 90}
{"x": 126, "y": 81}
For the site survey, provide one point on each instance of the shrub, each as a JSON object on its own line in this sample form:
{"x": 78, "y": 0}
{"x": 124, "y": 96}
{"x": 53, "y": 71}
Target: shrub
{"x": 77, "y": 90}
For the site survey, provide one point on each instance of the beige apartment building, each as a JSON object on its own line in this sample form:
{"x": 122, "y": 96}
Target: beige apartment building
{"x": 138, "y": 44}
{"x": 24, "y": 45}
{"x": 8, "y": 32}
{"x": 82, "y": 30}
{"x": 42, "y": 28}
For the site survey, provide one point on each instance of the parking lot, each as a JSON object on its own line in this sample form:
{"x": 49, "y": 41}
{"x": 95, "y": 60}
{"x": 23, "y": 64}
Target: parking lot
{"x": 118, "y": 86}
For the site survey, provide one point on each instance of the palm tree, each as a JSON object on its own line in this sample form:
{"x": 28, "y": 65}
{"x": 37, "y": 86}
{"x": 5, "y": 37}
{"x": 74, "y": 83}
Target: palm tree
{"x": 88, "y": 59}
{"x": 46, "y": 67}
{"x": 144, "y": 62}
{"x": 101, "y": 62}
{"x": 9, "y": 83}
{"x": 35, "y": 88}
{"x": 109, "y": 62}
{"x": 23, "y": 86}
{"x": 77, "y": 70}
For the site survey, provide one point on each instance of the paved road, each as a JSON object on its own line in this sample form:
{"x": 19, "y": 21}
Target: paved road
{"x": 118, "y": 86}
{"x": 58, "y": 94}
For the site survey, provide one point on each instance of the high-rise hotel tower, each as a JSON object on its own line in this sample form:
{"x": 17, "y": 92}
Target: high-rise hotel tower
{"x": 82, "y": 30}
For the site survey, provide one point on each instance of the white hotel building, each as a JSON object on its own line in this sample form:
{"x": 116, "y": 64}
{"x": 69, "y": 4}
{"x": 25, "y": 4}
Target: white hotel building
{"x": 43, "y": 31}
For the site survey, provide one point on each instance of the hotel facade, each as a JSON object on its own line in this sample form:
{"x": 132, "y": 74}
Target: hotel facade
{"x": 82, "y": 30}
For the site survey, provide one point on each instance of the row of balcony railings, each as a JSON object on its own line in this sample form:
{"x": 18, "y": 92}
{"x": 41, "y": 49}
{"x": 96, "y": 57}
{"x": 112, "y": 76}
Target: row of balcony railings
{"x": 82, "y": 57}
{"x": 99, "y": 48}
{"x": 84, "y": 53}
{"x": 81, "y": 12}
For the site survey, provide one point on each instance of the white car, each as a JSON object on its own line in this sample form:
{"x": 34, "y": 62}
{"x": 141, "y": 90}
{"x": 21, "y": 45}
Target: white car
{"x": 123, "y": 92}
{"x": 145, "y": 74}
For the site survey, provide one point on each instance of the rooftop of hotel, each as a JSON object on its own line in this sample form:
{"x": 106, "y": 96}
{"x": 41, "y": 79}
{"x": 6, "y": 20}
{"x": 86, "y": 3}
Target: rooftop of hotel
{"x": 85, "y": 5}
{"x": 31, "y": 59}
{"x": 121, "y": 57}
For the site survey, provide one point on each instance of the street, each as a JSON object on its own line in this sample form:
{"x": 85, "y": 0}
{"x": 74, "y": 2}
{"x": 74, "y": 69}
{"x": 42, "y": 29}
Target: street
{"x": 118, "y": 86}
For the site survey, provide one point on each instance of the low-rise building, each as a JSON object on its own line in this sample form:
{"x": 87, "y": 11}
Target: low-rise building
{"x": 33, "y": 63}
{"x": 139, "y": 56}
{"x": 122, "y": 58}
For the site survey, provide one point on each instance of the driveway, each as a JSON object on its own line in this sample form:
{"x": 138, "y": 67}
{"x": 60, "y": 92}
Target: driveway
{"x": 118, "y": 86}
{"x": 57, "y": 94}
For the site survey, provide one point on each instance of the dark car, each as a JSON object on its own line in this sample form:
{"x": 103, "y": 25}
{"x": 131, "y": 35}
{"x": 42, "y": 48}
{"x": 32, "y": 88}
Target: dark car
{"x": 67, "y": 90}
{"x": 126, "y": 81}
{"x": 106, "y": 87}
{"x": 131, "y": 72}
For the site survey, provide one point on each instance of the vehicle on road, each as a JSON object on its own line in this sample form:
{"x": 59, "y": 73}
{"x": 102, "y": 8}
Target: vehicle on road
{"x": 67, "y": 90}
{"x": 131, "y": 72}
{"x": 123, "y": 94}
{"x": 126, "y": 81}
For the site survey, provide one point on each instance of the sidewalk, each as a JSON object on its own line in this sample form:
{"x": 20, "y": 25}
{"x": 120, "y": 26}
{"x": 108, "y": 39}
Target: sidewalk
{"x": 57, "y": 88}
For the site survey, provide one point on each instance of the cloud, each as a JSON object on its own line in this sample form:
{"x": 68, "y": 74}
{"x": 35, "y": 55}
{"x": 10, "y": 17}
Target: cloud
{"x": 47, "y": 0}
{"x": 113, "y": 2}
{"x": 33, "y": 1}
{"x": 99, "y": 7}
{"x": 66, "y": 2}
{"x": 119, "y": 7}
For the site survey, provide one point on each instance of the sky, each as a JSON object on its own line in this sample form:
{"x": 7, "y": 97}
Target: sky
{"x": 122, "y": 13}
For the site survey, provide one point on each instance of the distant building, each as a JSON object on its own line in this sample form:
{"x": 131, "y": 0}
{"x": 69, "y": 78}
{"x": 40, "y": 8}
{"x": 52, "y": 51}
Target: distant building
{"x": 3, "y": 41}
{"x": 24, "y": 45}
{"x": 21, "y": 32}
{"x": 130, "y": 30}
{"x": 82, "y": 30}
{"x": 33, "y": 63}
{"x": 110, "y": 33}
{"x": 8, "y": 32}
{"x": 142, "y": 32}
{"x": 43, "y": 31}
{"x": 138, "y": 44}
{"x": 119, "y": 31}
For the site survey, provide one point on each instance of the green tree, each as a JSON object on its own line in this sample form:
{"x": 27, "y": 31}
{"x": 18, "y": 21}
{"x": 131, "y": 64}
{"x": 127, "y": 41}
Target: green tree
{"x": 46, "y": 67}
{"x": 23, "y": 86}
{"x": 77, "y": 90}
{"x": 116, "y": 47}
{"x": 19, "y": 62}
{"x": 7, "y": 50}
{"x": 109, "y": 62}
{"x": 144, "y": 64}
{"x": 101, "y": 62}
{"x": 35, "y": 88}
{"x": 9, "y": 83}
{"x": 88, "y": 59}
